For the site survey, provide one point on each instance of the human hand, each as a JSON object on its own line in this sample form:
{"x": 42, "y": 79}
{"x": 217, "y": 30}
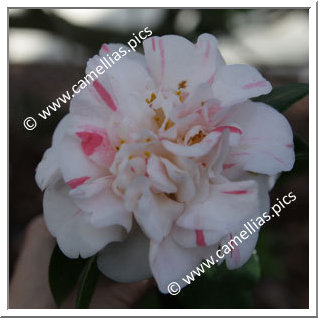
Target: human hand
{"x": 29, "y": 286}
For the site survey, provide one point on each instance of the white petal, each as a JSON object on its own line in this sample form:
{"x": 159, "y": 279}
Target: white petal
{"x": 236, "y": 83}
{"x": 48, "y": 170}
{"x": 194, "y": 238}
{"x": 75, "y": 236}
{"x": 228, "y": 204}
{"x": 103, "y": 207}
{"x": 170, "y": 262}
{"x": 196, "y": 150}
{"x": 266, "y": 145}
{"x": 173, "y": 59}
{"x": 183, "y": 179}
{"x": 156, "y": 214}
{"x": 126, "y": 261}
{"x": 241, "y": 252}
{"x": 158, "y": 176}
{"x": 74, "y": 163}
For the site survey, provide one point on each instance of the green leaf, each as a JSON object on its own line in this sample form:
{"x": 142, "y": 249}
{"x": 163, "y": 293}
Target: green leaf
{"x": 87, "y": 284}
{"x": 301, "y": 148}
{"x": 285, "y": 96}
{"x": 63, "y": 274}
{"x": 219, "y": 287}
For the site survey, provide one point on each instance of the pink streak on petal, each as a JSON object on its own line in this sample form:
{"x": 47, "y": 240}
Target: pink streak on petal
{"x": 210, "y": 80}
{"x": 146, "y": 164}
{"x": 228, "y": 165}
{"x": 200, "y": 240}
{"x": 153, "y": 44}
{"x": 90, "y": 141}
{"x": 106, "y": 48}
{"x": 289, "y": 145}
{"x": 102, "y": 92}
{"x": 231, "y": 128}
{"x": 207, "y": 51}
{"x": 74, "y": 183}
{"x": 132, "y": 169}
{"x": 162, "y": 55}
{"x": 252, "y": 85}
{"x": 236, "y": 192}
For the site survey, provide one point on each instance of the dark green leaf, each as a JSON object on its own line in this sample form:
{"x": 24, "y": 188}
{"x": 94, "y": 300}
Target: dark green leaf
{"x": 285, "y": 96}
{"x": 87, "y": 284}
{"x": 63, "y": 274}
{"x": 301, "y": 148}
{"x": 218, "y": 287}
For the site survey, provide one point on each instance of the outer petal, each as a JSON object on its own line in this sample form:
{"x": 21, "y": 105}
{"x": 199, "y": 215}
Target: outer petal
{"x": 126, "y": 261}
{"x": 75, "y": 236}
{"x": 125, "y": 86}
{"x": 170, "y": 262}
{"x": 48, "y": 170}
{"x": 236, "y": 83}
{"x": 103, "y": 207}
{"x": 173, "y": 59}
{"x": 156, "y": 213}
{"x": 74, "y": 163}
{"x": 266, "y": 145}
{"x": 170, "y": 59}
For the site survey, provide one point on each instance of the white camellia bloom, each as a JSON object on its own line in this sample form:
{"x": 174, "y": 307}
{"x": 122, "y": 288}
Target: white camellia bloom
{"x": 161, "y": 159}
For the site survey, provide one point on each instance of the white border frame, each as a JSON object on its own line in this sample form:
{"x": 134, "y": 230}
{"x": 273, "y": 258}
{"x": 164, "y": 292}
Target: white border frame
{"x": 312, "y": 165}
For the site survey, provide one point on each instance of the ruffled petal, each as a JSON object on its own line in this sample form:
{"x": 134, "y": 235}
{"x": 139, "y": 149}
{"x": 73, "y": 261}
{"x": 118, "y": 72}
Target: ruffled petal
{"x": 266, "y": 145}
{"x": 226, "y": 207}
{"x": 184, "y": 180}
{"x": 102, "y": 206}
{"x": 75, "y": 236}
{"x": 236, "y": 83}
{"x": 158, "y": 176}
{"x": 74, "y": 163}
{"x": 126, "y": 261}
{"x": 156, "y": 213}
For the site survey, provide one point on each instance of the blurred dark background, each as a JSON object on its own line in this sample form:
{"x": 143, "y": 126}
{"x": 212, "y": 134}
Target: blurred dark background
{"x": 48, "y": 50}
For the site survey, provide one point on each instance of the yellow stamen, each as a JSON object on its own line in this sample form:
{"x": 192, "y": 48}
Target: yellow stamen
{"x": 196, "y": 138}
{"x": 152, "y": 98}
{"x": 182, "y": 84}
{"x": 130, "y": 157}
{"x": 159, "y": 117}
{"x": 148, "y": 139}
{"x": 147, "y": 154}
{"x": 169, "y": 124}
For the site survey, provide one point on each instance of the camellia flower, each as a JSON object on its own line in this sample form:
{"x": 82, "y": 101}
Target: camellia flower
{"x": 161, "y": 159}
